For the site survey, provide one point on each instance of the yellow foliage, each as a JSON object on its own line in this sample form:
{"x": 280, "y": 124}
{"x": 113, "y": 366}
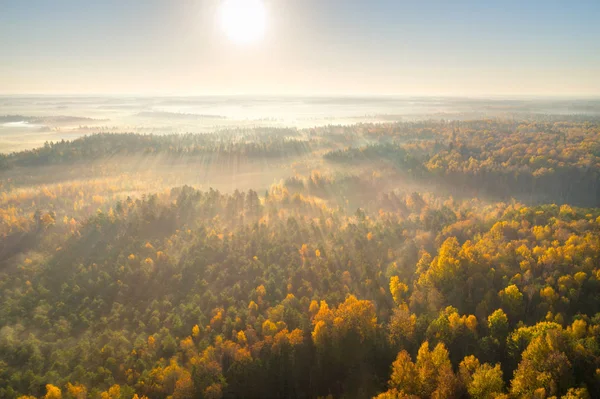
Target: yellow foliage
{"x": 215, "y": 322}
{"x": 52, "y": 392}
{"x": 113, "y": 392}
{"x": 471, "y": 323}
{"x": 269, "y": 328}
{"x": 261, "y": 291}
{"x": 578, "y": 329}
{"x": 455, "y": 321}
{"x": 241, "y": 338}
{"x": 324, "y": 314}
{"x": 303, "y": 250}
{"x": 580, "y": 277}
{"x": 187, "y": 344}
{"x": 215, "y": 391}
{"x": 47, "y": 220}
{"x": 397, "y": 289}
{"x": 352, "y": 315}
{"x": 196, "y": 331}
{"x": 549, "y": 294}
{"x": 161, "y": 256}
{"x": 253, "y": 307}
{"x": 296, "y": 337}
{"x": 320, "y": 333}
{"x": 313, "y": 308}
{"x": 402, "y": 325}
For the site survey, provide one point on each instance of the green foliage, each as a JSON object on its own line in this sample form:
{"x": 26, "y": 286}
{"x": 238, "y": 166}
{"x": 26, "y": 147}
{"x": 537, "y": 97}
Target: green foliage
{"x": 112, "y": 287}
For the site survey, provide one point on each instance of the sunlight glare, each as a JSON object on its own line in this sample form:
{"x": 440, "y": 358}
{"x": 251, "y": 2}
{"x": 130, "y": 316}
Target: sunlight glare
{"x": 243, "y": 21}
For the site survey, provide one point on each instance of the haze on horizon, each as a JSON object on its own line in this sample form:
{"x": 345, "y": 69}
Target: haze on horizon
{"x": 466, "y": 48}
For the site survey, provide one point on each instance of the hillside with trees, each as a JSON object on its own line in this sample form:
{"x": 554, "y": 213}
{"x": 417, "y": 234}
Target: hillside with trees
{"x": 404, "y": 260}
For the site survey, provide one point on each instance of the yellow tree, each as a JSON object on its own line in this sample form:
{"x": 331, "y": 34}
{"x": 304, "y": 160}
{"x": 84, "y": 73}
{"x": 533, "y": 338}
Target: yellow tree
{"x": 405, "y": 376}
{"x": 544, "y": 367}
{"x": 402, "y": 326}
{"x": 482, "y": 381}
{"x": 113, "y": 392}
{"x": 77, "y": 391}
{"x": 196, "y": 332}
{"x": 398, "y": 290}
{"x": 53, "y": 392}
{"x": 345, "y": 335}
{"x": 431, "y": 376}
{"x": 498, "y": 325}
{"x": 184, "y": 387}
{"x": 436, "y": 377}
{"x": 512, "y": 301}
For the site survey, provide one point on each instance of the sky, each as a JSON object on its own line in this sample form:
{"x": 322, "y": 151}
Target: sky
{"x": 310, "y": 47}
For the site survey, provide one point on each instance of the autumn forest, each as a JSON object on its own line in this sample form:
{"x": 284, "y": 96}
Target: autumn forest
{"x": 424, "y": 259}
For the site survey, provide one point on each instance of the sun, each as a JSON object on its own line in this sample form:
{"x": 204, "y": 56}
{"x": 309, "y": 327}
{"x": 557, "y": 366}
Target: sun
{"x": 243, "y": 21}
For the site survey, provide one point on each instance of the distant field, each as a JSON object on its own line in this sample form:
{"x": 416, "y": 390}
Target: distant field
{"x": 27, "y": 122}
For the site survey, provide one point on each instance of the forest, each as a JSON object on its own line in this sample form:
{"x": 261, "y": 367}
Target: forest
{"x": 431, "y": 259}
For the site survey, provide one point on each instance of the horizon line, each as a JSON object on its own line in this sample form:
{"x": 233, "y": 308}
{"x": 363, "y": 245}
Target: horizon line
{"x": 586, "y": 96}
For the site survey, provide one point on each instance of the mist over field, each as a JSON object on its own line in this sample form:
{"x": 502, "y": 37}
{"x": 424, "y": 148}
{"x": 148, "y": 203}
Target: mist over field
{"x": 28, "y": 121}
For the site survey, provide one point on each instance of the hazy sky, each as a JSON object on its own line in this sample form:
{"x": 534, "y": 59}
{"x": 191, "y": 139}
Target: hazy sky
{"x": 400, "y": 47}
